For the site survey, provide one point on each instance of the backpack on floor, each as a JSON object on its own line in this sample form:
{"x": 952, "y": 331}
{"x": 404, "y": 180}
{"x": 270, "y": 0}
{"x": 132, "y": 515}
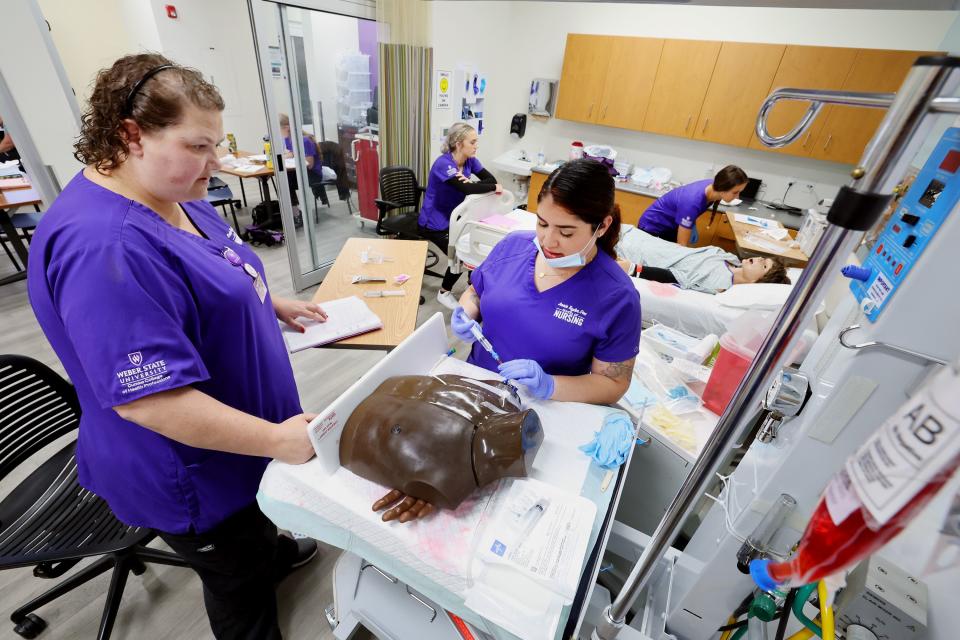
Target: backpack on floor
{"x": 256, "y": 234}
{"x": 266, "y": 215}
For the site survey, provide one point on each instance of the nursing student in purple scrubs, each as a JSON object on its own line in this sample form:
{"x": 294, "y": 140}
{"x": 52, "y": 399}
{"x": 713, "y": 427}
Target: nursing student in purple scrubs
{"x": 448, "y": 185}
{"x": 673, "y": 216}
{"x": 562, "y": 315}
{"x": 164, "y": 322}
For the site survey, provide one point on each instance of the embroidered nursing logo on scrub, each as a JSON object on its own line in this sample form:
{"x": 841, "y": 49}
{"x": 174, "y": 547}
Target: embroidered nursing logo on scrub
{"x": 232, "y": 235}
{"x": 451, "y": 170}
{"x": 143, "y": 374}
{"x": 686, "y": 221}
{"x": 570, "y": 314}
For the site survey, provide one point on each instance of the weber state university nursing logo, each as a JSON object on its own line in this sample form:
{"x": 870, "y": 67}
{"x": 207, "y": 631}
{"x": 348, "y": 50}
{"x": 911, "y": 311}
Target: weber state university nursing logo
{"x": 141, "y": 374}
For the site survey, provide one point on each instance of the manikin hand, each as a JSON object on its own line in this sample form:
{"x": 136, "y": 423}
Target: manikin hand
{"x": 409, "y": 508}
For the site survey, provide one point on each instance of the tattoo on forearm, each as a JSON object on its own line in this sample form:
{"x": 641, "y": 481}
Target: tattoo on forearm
{"x": 474, "y": 298}
{"x": 616, "y": 370}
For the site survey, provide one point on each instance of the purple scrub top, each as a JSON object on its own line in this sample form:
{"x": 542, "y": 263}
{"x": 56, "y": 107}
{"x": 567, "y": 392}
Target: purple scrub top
{"x": 441, "y": 199}
{"x": 674, "y": 209}
{"x": 133, "y": 306}
{"x": 594, "y": 314}
{"x": 309, "y": 149}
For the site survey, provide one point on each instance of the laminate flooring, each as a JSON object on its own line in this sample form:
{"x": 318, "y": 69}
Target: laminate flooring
{"x": 166, "y": 602}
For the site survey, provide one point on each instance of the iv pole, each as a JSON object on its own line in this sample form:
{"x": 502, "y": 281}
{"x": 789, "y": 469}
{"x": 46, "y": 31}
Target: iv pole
{"x": 856, "y": 208}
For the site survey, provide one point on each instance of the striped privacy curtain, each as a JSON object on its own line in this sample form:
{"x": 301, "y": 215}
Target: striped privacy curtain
{"x": 406, "y": 68}
{"x": 405, "y": 72}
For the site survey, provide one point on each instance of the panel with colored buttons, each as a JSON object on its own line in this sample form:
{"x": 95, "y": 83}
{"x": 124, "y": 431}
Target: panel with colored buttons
{"x": 929, "y": 201}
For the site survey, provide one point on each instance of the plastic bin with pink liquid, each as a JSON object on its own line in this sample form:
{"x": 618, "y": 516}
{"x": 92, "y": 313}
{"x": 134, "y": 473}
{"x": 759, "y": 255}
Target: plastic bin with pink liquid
{"x": 738, "y": 347}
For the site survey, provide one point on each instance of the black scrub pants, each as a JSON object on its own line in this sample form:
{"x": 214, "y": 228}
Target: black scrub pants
{"x": 441, "y": 238}
{"x": 670, "y": 235}
{"x": 239, "y": 562}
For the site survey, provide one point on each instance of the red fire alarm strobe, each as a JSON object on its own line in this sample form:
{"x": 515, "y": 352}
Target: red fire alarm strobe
{"x": 171, "y": 11}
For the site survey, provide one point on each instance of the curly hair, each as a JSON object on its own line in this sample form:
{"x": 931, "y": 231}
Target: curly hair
{"x": 777, "y": 273}
{"x": 158, "y": 102}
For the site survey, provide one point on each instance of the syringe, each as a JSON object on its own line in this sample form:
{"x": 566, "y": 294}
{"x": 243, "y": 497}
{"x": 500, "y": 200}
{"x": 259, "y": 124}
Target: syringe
{"x": 478, "y": 334}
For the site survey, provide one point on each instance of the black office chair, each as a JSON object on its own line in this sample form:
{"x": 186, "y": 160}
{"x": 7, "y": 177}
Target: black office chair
{"x": 399, "y": 190}
{"x": 331, "y": 155}
{"x": 219, "y": 194}
{"x": 48, "y": 520}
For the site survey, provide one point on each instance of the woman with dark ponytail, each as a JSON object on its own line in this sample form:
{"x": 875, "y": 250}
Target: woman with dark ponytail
{"x": 560, "y": 312}
{"x": 673, "y": 216}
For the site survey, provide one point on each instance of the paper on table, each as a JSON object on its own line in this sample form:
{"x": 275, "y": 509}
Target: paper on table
{"x": 755, "y": 221}
{"x": 761, "y": 241}
{"x": 13, "y": 183}
{"x": 262, "y": 157}
{"x": 498, "y": 220}
{"x": 346, "y": 317}
{"x": 248, "y": 168}
{"x": 777, "y": 234}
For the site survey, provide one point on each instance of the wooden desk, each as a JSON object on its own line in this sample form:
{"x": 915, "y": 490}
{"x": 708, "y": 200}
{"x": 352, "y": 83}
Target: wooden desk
{"x": 263, "y": 175}
{"x": 12, "y": 200}
{"x": 399, "y": 314}
{"x": 746, "y": 247}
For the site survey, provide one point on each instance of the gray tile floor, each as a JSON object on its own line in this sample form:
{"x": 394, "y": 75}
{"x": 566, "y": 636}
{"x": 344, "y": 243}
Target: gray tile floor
{"x": 166, "y": 602}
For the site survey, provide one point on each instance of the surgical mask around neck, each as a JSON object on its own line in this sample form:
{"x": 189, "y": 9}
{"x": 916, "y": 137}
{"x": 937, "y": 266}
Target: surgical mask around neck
{"x": 577, "y": 259}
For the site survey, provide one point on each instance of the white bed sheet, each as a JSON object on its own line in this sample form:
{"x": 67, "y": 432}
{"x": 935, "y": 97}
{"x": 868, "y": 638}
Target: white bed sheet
{"x": 692, "y": 312}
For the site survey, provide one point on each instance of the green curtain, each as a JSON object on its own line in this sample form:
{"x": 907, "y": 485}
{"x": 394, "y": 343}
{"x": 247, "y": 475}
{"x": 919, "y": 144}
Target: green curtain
{"x": 405, "y": 73}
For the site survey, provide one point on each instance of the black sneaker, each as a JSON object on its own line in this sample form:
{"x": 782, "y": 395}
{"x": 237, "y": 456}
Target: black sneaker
{"x": 293, "y": 553}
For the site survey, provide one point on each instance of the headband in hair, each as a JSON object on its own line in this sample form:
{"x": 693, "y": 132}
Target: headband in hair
{"x": 128, "y": 105}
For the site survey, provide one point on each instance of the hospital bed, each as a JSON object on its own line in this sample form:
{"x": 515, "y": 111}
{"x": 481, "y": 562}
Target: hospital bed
{"x": 424, "y": 579}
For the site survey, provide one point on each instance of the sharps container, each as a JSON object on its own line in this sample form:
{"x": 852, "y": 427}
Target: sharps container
{"x": 738, "y": 347}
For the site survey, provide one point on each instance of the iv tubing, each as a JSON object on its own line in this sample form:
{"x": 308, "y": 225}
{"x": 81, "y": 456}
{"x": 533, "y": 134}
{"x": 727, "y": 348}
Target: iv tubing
{"x": 726, "y": 634}
{"x": 803, "y": 594}
{"x": 826, "y": 612}
{"x": 739, "y": 634}
{"x": 803, "y": 634}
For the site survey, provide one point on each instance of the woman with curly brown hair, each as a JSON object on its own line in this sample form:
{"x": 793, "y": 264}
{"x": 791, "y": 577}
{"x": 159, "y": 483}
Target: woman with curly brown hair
{"x": 163, "y": 320}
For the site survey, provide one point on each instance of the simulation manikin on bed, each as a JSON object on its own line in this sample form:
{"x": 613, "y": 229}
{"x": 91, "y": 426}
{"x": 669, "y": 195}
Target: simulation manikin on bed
{"x": 438, "y": 438}
{"x": 705, "y": 269}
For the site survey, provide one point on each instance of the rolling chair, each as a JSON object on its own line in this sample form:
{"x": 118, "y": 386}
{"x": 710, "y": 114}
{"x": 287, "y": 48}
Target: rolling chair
{"x": 399, "y": 189}
{"x": 219, "y": 194}
{"x": 49, "y": 521}
{"x": 24, "y": 223}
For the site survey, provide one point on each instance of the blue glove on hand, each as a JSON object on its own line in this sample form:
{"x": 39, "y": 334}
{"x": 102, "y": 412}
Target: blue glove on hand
{"x": 460, "y": 324}
{"x": 531, "y": 375}
{"x": 611, "y": 445}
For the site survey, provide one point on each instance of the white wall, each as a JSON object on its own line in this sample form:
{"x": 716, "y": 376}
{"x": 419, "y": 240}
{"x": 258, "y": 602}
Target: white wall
{"x": 215, "y": 37}
{"x": 32, "y": 77}
{"x": 514, "y": 42}
{"x": 71, "y": 26}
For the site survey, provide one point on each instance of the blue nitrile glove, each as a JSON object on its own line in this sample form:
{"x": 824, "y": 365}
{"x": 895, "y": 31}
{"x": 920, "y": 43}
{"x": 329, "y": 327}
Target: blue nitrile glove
{"x": 460, "y": 324}
{"x": 611, "y": 445}
{"x": 531, "y": 375}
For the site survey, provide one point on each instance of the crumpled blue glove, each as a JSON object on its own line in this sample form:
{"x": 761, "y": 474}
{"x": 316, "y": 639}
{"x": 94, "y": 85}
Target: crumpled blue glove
{"x": 531, "y": 375}
{"x": 611, "y": 445}
{"x": 460, "y": 324}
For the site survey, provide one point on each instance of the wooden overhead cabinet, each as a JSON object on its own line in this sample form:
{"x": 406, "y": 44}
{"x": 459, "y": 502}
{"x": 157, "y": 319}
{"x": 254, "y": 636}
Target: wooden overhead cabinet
{"x": 585, "y": 62}
{"x": 740, "y": 82}
{"x": 804, "y": 68}
{"x": 629, "y": 81}
{"x": 599, "y": 84}
{"x": 680, "y": 87}
{"x": 847, "y": 130}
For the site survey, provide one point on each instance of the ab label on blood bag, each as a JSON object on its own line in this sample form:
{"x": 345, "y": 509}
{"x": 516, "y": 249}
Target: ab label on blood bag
{"x": 909, "y": 450}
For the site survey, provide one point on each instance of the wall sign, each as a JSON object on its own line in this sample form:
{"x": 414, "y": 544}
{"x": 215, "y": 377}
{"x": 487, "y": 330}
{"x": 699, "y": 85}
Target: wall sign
{"x": 444, "y": 86}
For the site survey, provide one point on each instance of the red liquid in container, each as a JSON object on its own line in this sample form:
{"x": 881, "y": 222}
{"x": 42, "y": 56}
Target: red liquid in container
{"x": 826, "y": 548}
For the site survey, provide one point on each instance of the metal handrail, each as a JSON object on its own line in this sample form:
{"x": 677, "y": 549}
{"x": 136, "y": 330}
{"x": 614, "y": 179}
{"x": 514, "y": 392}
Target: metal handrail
{"x": 817, "y": 99}
{"x": 918, "y": 97}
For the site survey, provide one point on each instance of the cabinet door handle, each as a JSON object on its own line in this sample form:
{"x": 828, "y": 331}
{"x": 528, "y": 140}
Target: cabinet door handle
{"x": 705, "y": 123}
{"x": 590, "y": 111}
{"x": 827, "y": 143}
{"x": 689, "y": 120}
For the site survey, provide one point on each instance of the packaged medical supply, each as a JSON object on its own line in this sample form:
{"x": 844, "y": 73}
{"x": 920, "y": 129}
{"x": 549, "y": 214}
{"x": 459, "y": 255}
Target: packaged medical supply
{"x": 611, "y": 445}
{"x": 677, "y": 344}
{"x": 811, "y": 229}
{"x": 360, "y": 279}
{"x": 678, "y": 429}
{"x": 576, "y": 150}
{"x": 369, "y": 256}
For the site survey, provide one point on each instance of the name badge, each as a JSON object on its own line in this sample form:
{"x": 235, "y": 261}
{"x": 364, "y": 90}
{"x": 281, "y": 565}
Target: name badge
{"x": 258, "y": 283}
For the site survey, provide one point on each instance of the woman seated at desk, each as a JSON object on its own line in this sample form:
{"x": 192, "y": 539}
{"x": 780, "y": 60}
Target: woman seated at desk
{"x": 673, "y": 216}
{"x": 706, "y": 269}
{"x": 561, "y": 313}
